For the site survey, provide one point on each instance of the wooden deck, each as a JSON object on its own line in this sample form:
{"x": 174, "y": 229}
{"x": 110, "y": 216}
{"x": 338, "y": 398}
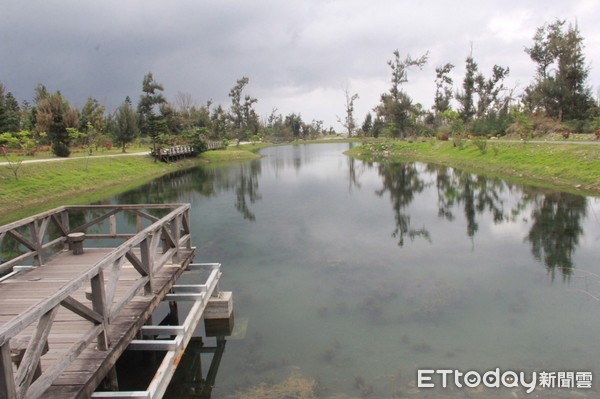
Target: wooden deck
{"x": 74, "y": 315}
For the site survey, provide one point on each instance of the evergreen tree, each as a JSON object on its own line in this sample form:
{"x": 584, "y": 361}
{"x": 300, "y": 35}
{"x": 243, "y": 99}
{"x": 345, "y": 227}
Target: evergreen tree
{"x": 53, "y": 116}
{"x": 443, "y": 88}
{"x": 367, "y": 125}
{"x": 559, "y": 88}
{"x": 149, "y": 123}
{"x": 125, "y": 128}
{"x": 396, "y": 107}
{"x": 465, "y": 99}
{"x": 243, "y": 117}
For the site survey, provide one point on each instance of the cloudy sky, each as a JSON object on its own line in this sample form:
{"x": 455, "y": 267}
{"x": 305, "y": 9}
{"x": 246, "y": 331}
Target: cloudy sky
{"x": 300, "y": 56}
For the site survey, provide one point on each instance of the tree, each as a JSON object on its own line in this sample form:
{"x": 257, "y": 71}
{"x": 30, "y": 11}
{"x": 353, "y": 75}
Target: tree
{"x": 294, "y": 123}
{"x": 91, "y": 120}
{"x": 9, "y": 112}
{"x": 125, "y": 128}
{"x": 349, "y": 123}
{"x": 149, "y": 122}
{"x": 465, "y": 99}
{"x": 396, "y": 107}
{"x": 367, "y": 125}
{"x": 488, "y": 91}
{"x": 559, "y": 88}
{"x": 443, "y": 88}
{"x": 23, "y": 140}
{"x": 53, "y": 116}
{"x": 243, "y": 116}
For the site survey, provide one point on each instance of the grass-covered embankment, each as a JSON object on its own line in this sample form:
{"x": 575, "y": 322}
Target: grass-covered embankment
{"x": 45, "y": 185}
{"x": 569, "y": 167}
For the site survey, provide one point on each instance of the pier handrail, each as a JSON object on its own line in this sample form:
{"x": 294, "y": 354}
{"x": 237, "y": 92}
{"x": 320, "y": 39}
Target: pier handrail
{"x": 172, "y": 230}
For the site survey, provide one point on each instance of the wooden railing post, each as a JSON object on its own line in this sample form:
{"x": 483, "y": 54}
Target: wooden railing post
{"x": 148, "y": 262}
{"x": 112, "y": 220}
{"x": 100, "y": 306}
{"x": 176, "y": 234}
{"x": 7, "y": 384}
{"x": 37, "y": 259}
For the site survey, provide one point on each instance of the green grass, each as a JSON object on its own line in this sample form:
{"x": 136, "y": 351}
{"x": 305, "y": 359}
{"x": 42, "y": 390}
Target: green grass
{"x": 80, "y": 180}
{"x": 234, "y": 153}
{"x": 574, "y": 168}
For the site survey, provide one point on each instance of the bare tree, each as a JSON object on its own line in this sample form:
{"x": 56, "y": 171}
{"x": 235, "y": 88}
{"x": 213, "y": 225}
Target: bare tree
{"x": 184, "y": 102}
{"x": 349, "y": 123}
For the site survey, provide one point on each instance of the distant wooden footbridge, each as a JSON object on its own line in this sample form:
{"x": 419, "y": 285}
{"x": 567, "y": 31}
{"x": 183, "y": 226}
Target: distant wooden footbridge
{"x": 79, "y": 286}
{"x": 178, "y": 152}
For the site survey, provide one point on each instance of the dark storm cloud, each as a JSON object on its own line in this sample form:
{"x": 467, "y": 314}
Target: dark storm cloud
{"x": 299, "y": 56}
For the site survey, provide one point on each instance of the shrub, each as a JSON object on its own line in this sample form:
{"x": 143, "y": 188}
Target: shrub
{"x": 481, "y": 144}
{"x": 443, "y": 136}
{"x": 60, "y": 149}
{"x": 457, "y": 141}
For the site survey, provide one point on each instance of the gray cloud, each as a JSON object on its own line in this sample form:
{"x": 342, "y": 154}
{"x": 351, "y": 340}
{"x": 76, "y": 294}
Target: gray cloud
{"x": 299, "y": 56}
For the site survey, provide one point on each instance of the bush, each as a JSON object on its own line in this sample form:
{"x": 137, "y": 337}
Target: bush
{"x": 457, "y": 141}
{"x": 443, "y": 136}
{"x": 60, "y": 149}
{"x": 481, "y": 144}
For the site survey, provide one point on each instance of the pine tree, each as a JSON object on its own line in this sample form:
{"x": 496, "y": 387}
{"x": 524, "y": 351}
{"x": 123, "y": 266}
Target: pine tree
{"x": 559, "y": 89}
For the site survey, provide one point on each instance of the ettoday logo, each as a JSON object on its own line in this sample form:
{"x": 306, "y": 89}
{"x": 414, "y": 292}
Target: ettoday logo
{"x": 505, "y": 379}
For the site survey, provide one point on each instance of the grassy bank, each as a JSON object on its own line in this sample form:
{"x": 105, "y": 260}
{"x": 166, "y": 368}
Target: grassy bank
{"x": 569, "y": 167}
{"x": 46, "y": 185}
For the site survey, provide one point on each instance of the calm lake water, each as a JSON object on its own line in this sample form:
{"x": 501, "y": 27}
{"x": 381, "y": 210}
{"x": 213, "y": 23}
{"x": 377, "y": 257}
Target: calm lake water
{"x": 356, "y": 275}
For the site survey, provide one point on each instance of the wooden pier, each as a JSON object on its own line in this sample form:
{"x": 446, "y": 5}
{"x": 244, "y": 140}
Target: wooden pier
{"x": 79, "y": 286}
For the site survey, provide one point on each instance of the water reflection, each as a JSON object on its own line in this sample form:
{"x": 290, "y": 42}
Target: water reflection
{"x": 556, "y": 218}
{"x": 209, "y": 181}
{"x": 403, "y": 182}
{"x": 475, "y": 194}
{"x": 556, "y": 229}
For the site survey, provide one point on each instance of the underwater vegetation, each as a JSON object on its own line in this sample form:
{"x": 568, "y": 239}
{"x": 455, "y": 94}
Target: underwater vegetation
{"x": 295, "y": 386}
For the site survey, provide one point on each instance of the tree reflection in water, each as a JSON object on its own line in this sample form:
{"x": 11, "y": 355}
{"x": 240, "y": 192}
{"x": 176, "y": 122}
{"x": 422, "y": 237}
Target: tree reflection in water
{"x": 556, "y": 217}
{"x": 402, "y": 182}
{"x": 242, "y": 179}
{"x": 556, "y": 229}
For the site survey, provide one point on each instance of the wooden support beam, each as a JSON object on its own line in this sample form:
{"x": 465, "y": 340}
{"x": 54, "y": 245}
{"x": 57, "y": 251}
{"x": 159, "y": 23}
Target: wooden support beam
{"x": 81, "y": 310}
{"x": 32, "y": 355}
{"x": 185, "y": 297}
{"x": 163, "y": 330}
{"x": 95, "y": 221}
{"x": 154, "y": 344}
{"x": 125, "y": 395}
{"x": 137, "y": 263}
{"x": 19, "y": 237}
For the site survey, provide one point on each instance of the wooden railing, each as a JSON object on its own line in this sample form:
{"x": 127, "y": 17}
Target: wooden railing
{"x": 175, "y": 153}
{"x": 37, "y": 240}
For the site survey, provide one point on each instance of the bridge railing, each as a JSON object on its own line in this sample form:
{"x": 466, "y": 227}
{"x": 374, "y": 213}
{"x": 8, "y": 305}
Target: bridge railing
{"x": 147, "y": 249}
